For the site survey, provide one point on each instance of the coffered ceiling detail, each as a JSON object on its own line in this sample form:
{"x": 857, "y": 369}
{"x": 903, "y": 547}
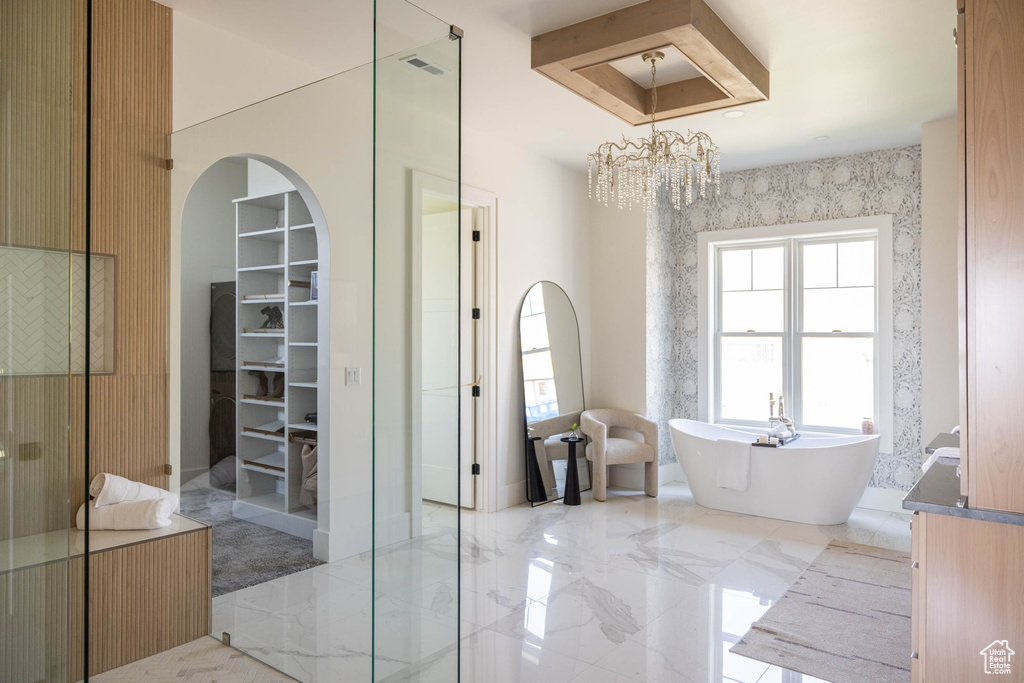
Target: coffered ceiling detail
{"x": 580, "y": 57}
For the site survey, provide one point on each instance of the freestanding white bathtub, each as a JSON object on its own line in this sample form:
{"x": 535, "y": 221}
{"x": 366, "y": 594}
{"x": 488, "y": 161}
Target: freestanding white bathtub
{"x": 813, "y": 480}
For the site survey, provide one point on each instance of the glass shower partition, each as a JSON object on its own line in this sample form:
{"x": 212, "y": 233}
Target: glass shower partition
{"x": 418, "y": 391}
{"x": 41, "y": 345}
{"x": 370, "y": 591}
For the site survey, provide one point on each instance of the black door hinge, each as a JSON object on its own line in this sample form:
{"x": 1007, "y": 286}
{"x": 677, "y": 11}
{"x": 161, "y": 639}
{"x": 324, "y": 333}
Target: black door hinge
{"x": 476, "y": 235}
{"x": 476, "y": 391}
{"x": 476, "y": 468}
{"x": 476, "y": 314}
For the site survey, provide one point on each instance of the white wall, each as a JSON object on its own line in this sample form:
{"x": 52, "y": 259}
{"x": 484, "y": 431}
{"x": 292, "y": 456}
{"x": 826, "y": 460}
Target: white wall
{"x": 333, "y": 115}
{"x": 618, "y": 304}
{"x": 543, "y": 220}
{"x": 216, "y": 72}
{"x": 264, "y": 180}
{"x": 939, "y": 284}
{"x": 208, "y": 256}
{"x": 543, "y": 234}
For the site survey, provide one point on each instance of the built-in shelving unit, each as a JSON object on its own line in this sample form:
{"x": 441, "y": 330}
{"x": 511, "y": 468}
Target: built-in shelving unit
{"x": 277, "y": 252}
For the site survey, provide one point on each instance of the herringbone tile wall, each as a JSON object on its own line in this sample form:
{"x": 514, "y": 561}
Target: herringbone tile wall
{"x": 34, "y": 312}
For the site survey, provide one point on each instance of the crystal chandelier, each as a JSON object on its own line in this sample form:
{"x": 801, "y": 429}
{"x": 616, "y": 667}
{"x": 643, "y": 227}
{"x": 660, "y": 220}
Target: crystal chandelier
{"x": 633, "y": 171}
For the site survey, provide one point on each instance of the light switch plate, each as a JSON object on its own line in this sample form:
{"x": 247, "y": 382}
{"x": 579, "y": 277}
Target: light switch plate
{"x": 353, "y": 377}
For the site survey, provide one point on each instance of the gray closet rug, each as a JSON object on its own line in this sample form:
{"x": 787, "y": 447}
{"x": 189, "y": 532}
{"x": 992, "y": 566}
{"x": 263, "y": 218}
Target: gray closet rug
{"x": 244, "y": 554}
{"x": 845, "y": 620}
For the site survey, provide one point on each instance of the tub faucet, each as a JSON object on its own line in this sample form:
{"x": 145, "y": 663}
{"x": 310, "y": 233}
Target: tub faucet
{"x": 781, "y": 417}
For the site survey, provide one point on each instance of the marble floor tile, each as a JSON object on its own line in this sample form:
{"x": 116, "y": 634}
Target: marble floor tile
{"x": 632, "y": 589}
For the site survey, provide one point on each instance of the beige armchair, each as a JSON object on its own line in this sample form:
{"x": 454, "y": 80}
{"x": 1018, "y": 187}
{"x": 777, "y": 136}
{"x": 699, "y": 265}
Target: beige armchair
{"x": 549, "y": 447}
{"x": 606, "y": 450}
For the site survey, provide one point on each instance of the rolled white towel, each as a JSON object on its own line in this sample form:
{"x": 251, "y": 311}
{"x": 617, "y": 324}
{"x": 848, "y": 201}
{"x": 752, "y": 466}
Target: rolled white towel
{"x": 140, "y": 514}
{"x": 109, "y": 489}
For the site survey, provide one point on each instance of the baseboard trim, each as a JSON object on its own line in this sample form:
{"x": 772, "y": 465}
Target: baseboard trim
{"x": 886, "y": 500}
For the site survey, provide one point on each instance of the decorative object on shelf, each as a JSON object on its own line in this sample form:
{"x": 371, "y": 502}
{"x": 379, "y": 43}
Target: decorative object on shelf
{"x": 277, "y": 386}
{"x": 867, "y": 426}
{"x": 310, "y": 418}
{"x": 314, "y": 287}
{"x": 632, "y": 172}
{"x": 307, "y": 492}
{"x": 264, "y": 388}
{"x": 275, "y": 319}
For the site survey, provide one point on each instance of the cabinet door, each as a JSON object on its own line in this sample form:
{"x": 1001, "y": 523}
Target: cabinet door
{"x": 972, "y": 586}
{"x": 917, "y": 599}
{"x": 995, "y": 252}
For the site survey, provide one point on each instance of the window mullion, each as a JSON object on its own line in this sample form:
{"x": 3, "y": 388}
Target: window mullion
{"x": 793, "y": 306}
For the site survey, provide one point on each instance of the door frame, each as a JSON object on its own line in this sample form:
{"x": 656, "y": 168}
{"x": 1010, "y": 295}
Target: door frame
{"x": 486, "y": 414}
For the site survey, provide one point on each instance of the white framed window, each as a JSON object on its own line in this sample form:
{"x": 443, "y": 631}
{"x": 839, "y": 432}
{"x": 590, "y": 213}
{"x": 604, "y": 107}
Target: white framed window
{"x": 803, "y": 311}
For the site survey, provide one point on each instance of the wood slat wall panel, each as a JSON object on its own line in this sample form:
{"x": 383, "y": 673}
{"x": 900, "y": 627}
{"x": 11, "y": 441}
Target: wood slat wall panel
{"x": 145, "y": 599}
{"x": 35, "y": 70}
{"x": 34, "y": 624}
{"x": 131, "y": 125}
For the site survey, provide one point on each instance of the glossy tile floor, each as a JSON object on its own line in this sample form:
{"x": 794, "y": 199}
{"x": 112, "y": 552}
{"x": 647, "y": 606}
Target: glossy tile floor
{"x": 633, "y": 589}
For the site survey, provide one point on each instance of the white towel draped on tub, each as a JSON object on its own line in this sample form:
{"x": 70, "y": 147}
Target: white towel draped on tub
{"x": 732, "y": 467}
{"x": 109, "y": 489}
{"x": 140, "y": 514}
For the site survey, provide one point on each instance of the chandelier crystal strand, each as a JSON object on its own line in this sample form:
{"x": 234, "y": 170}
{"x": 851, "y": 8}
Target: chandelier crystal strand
{"x": 632, "y": 172}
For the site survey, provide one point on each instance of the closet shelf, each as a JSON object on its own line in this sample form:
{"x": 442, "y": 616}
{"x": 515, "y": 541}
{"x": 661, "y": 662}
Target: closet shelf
{"x": 264, "y": 335}
{"x": 314, "y": 302}
{"x": 310, "y": 344}
{"x": 265, "y": 437}
{"x": 304, "y": 226}
{"x": 308, "y": 262}
{"x": 303, "y": 385}
{"x": 303, "y": 426}
{"x": 262, "y": 402}
{"x": 264, "y": 368}
{"x": 262, "y": 269}
{"x": 272, "y": 235}
{"x": 275, "y": 300}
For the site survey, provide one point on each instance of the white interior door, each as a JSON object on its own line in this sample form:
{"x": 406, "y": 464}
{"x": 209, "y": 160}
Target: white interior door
{"x": 469, "y": 359}
{"x": 439, "y": 361}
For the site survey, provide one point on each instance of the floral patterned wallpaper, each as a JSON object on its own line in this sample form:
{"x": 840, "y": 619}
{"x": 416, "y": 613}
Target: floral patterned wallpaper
{"x": 870, "y": 184}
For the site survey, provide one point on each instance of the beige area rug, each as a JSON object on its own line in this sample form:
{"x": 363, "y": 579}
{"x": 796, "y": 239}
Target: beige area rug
{"x": 845, "y": 620}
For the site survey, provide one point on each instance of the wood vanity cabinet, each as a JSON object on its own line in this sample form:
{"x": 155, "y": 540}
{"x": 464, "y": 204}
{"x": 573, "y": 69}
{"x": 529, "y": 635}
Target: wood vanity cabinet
{"x": 966, "y": 593}
{"x": 991, "y": 114}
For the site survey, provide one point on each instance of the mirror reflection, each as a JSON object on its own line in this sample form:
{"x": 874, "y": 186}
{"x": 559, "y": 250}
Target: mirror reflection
{"x": 552, "y": 373}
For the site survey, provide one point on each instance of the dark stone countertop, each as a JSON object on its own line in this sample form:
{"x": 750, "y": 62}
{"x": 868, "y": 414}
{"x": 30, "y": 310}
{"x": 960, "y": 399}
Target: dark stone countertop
{"x": 938, "y": 491}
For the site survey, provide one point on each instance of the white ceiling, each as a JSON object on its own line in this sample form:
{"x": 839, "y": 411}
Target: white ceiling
{"x": 866, "y": 73}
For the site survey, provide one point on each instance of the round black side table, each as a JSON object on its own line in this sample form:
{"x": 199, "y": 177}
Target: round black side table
{"x": 572, "y": 475}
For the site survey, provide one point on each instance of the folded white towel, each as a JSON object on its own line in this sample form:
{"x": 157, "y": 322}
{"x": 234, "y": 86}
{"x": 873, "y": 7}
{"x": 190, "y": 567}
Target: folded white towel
{"x": 947, "y": 455}
{"x": 732, "y": 467}
{"x": 140, "y": 514}
{"x": 108, "y": 489}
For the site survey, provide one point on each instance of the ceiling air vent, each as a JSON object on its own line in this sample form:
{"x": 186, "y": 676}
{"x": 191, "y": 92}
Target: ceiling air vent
{"x": 424, "y": 65}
